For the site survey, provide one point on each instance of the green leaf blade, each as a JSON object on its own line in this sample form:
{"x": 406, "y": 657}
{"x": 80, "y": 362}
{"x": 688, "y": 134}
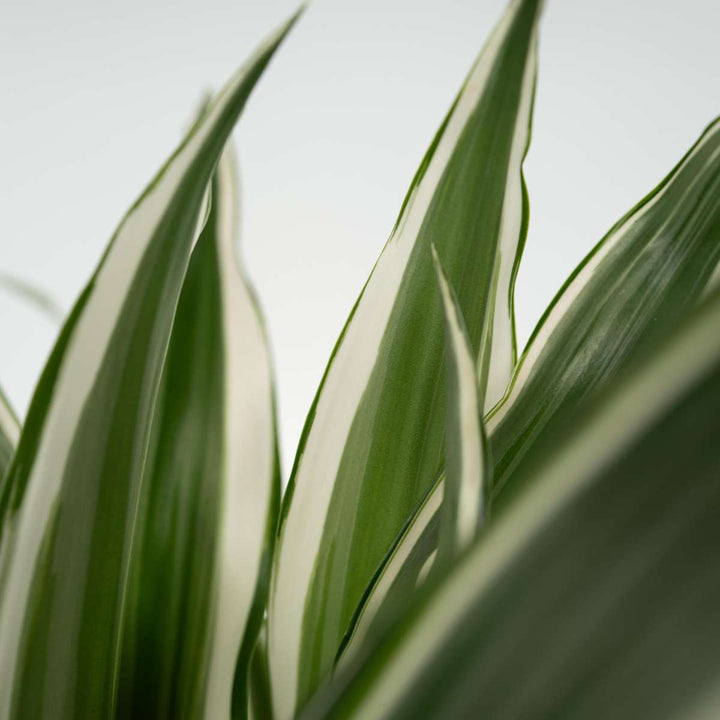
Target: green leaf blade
{"x": 76, "y": 478}
{"x": 642, "y": 278}
{"x": 370, "y": 451}
{"x": 453, "y": 510}
{"x": 212, "y": 469}
{"x": 596, "y": 592}
{"x": 466, "y": 463}
{"x": 655, "y": 265}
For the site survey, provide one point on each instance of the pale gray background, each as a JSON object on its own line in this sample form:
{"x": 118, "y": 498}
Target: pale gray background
{"x": 94, "y": 96}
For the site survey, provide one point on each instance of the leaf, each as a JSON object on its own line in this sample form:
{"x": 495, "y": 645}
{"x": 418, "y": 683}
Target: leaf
{"x": 9, "y": 432}
{"x": 596, "y": 593}
{"x": 399, "y": 575}
{"x": 35, "y": 296}
{"x": 443, "y": 525}
{"x": 643, "y": 277}
{"x": 70, "y": 506}
{"x": 210, "y": 495}
{"x": 466, "y": 471}
{"x": 373, "y": 442}
{"x": 653, "y": 266}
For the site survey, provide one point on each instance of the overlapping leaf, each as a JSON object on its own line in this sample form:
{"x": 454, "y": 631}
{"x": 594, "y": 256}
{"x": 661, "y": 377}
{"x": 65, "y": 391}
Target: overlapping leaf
{"x": 69, "y": 509}
{"x": 642, "y": 278}
{"x": 373, "y": 442}
{"x": 653, "y": 266}
{"x": 597, "y": 593}
{"x": 448, "y": 520}
{"x": 207, "y": 515}
{"x": 466, "y": 461}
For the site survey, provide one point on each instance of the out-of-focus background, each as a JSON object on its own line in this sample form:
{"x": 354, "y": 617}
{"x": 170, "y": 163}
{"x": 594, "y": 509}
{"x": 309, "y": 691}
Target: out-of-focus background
{"x": 93, "y": 97}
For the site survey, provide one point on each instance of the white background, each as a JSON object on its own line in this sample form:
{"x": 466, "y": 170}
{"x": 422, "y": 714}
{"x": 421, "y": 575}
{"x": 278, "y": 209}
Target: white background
{"x": 93, "y": 97}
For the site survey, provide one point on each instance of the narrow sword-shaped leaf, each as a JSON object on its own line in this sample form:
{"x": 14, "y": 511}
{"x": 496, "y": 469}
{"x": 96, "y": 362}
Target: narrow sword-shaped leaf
{"x": 466, "y": 470}
{"x": 448, "y": 520}
{"x": 373, "y": 442}
{"x": 68, "y": 522}
{"x": 654, "y": 264}
{"x": 9, "y": 433}
{"x": 644, "y": 275}
{"x": 210, "y": 493}
{"x": 597, "y": 593}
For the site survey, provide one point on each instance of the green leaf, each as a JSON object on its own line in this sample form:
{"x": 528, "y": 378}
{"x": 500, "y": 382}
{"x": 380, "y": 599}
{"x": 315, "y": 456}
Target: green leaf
{"x": 400, "y": 574}
{"x": 597, "y": 593}
{"x": 451, "y": 515}
{"x": 466, "y": 467}
{"x": 373, "y": 442}
{"x": 642, "y": 278}
{"x": 653, "y": 266}
{"x": 70, "y": 507}
{"x": 33, "y": 295}
{"x": 208, "y": 509}
{"x": 9, "y": 433}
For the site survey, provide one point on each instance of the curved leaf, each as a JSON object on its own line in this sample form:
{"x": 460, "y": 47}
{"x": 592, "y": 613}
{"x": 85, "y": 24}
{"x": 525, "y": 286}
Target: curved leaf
{"x": 70, "y": 507}
{"x": 451, "y": 515}
{"x": 597, "y": 593}
{"x": 209, "y": 501}
{"x": 654, "y": 265}
{"x": 466, "y": 466}
{"x": 370, "y": 450}
{"x": 643, "y": 276}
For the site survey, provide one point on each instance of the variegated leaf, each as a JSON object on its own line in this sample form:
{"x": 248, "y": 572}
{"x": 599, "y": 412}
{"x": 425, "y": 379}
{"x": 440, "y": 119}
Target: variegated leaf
{"x": 70, "y": 505}
{"x": 466, "y": 466}
{"x": 597, "y": 593}
{"x": 208, "y": 509}
{"x": 373, "y": 443}
{"x": 449, "y": 518}
{"x": 654, "y": 265}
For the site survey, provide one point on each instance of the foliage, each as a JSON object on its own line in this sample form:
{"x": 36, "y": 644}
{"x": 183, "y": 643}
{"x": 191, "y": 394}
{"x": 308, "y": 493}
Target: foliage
{"x": 465, "y": 532}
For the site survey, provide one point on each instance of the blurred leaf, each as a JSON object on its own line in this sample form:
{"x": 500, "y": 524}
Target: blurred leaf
{"x": 9, "y": 432}
{"x": 259, "y": 697}
{"x": 597, "y": 593}
{"x": 33, "y": 295}
{"x": 208, "y": 509}
{"x": 70, "y": 506}
{"x": 373, "y": 443}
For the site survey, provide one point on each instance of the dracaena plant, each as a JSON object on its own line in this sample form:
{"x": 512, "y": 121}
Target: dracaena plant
{"x": 465, "y": 532}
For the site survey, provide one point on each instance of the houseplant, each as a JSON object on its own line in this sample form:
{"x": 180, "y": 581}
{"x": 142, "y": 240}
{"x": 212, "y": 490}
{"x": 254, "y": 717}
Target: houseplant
{"x": 464, "y": 531}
